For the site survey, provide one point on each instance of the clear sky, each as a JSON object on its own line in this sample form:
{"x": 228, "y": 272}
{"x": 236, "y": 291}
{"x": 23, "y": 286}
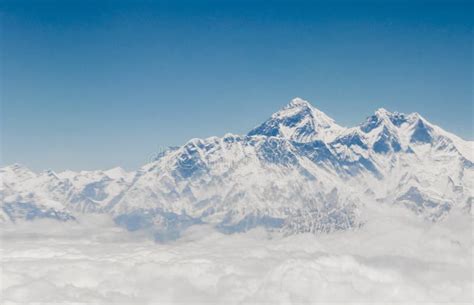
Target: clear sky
{"x": 92, "y": 85}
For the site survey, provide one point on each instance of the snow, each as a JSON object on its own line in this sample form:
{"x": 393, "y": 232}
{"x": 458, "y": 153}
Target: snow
{"x": 116, "y": 173}
{"x": 394, "y": 193}
{"x": 246, "y": 181}
{"x": 299, "y": 121}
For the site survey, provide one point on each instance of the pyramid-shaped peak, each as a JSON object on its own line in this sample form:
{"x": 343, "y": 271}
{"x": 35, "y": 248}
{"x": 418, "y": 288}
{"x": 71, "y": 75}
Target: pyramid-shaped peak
{"x": 383, "y": 112}
{"x": 299, "y": 121}
{"x": 298, "y": 102}
{"x": 415, "y": 116}
{"x": 303, "y": 108}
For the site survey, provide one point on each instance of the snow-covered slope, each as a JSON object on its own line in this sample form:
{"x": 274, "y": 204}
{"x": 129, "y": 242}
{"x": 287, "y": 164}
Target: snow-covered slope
{"x": 299, "y": 121}
{"x": 298, "y": 172}
{"x": 27, "y": 195}
{"x": 421, "y": 166}
{"x": 235, "y": 182}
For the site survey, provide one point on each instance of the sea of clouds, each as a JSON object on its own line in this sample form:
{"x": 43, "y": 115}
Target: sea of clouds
{"x": 395, "y": 260}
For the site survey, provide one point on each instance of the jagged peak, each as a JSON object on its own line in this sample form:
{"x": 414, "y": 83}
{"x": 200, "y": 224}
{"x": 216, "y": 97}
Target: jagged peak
{"x": 194, "y": 142}
{"x": 384, "y": 117}
{"x": 50, "y": 173}
{"x": 396, "y": 118}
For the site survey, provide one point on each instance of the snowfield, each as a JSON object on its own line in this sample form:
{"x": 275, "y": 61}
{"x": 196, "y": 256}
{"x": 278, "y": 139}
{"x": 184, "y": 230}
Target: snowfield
{"x": 400, "y": 260}
{"x": 299, "y": 211}
{"x": 297, "y": 172}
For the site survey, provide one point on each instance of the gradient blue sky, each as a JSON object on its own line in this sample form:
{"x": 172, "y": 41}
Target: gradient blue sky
{"x": 90, "y": 85}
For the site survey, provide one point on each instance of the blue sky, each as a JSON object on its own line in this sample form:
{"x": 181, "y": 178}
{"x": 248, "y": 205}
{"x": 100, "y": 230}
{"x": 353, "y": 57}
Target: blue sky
{"x": 96, "y": 84}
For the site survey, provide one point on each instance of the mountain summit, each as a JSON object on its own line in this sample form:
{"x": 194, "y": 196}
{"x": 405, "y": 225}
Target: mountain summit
{"x": 299, "y": 121}
{"x": 297, "y": 172}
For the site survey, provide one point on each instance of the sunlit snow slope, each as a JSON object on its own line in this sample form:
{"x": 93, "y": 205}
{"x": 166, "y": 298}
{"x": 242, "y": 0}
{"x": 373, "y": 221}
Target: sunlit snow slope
{"x": 297, "y": 172}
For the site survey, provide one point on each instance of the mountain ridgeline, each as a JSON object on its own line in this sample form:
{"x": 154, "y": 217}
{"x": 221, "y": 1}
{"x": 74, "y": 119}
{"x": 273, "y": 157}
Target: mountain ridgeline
{"x": 297, "y": 172}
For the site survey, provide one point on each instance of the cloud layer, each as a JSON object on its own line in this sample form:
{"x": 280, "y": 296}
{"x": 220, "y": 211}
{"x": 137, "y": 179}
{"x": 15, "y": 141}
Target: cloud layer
{"x": 389, "y": 260}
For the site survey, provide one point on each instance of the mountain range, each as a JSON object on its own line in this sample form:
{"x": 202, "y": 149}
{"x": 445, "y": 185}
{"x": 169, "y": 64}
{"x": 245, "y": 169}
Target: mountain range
{"x": 299, "y": 171}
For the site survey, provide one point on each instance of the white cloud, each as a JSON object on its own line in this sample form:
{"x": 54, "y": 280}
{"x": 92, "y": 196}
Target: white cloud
{"x": 390, "y": 260}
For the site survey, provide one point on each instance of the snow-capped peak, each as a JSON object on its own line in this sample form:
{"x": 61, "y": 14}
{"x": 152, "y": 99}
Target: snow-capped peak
{"x": 384, "y": 119}
{"x": 382, "y": 112}
{"x": 15, "y": 172}
{"x": 16, "y": 167}
{"x": 116, "y": 173}
{"x": 299, "y": 121}
{"x": 298, "y": 102}
{"x": 299, "y": 172}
